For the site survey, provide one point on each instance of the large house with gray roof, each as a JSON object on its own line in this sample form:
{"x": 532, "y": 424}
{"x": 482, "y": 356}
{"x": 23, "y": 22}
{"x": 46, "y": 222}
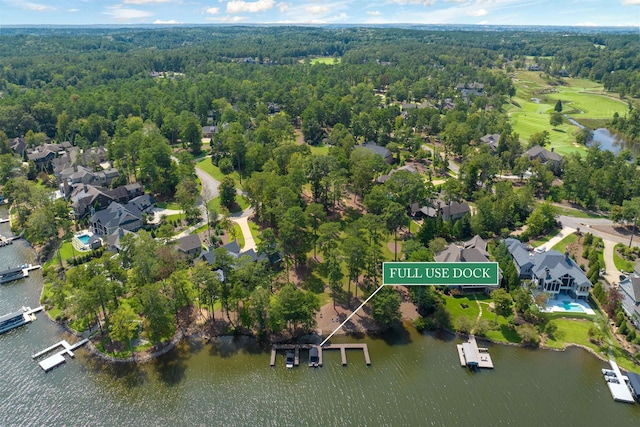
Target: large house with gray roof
{"x": 474, "y": 250}
{"x": 630, "y": 288}
{"x": 551, "y": 272}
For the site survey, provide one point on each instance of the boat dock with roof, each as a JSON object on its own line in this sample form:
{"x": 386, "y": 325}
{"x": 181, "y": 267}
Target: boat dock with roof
{"x": 473, "y": 356}
{"x": 11, "y": 274}
{"x": 18, "y": 318}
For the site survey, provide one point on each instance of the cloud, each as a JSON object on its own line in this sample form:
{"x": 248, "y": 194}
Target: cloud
{"x": 213, "y": 10}
{"x": 124, "y": 14}
{"x": 631, "y": 2}
{"x": 423, "y": 2}
{"x": 479, "y": 12}
{"x": 228, "y": 19}
{"x": 171, "y": 22}
{"x": 283, "y": 7}
{"x": 240, "y": 6}
{"x": 374, "y": 13}
{"x": 144, "y": 1}
{"x": 317, "y": 10}
{"x": 586, "y": 24}
{"x": 73, "y": 10}
{"x": 485, "y": 22}
{"x": 37, "y": 7}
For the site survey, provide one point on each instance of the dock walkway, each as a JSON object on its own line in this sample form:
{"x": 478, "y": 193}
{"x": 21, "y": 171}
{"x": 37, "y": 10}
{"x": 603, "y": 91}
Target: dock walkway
{"x": 342, "y": 347}
{"x": 618, "y": 386}
{"x": 58, "y": 358}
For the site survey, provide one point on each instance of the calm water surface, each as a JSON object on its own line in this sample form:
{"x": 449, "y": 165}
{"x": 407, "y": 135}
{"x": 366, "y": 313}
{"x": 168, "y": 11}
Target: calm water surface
{"x": 414, "y": 380}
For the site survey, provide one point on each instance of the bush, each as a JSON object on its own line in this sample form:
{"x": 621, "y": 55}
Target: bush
{"x": 420, "y": 324}
{"x": 225, "y": 165}
{"x": 464, "y": 324}
{"x": 529, "y": 335}
{"x": 631, "y": 335}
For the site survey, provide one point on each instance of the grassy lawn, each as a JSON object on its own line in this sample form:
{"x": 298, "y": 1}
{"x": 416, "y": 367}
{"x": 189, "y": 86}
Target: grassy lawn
{"x": 562, "y": 244}
{"x": 501, "y": 332}
{"x": 239, "y": 235}
{"x": 255, "y": 232}
{"x": 174, "y": 217}
{"x": 242, "y": 203}
{"x": 321, "y": 150}
{"x": 576, "y": 213}
{"x": 168, "y": 205}
{"x": 66, "y": 252}
{"x": 455, "y": 306}
{"x": 541, "y": 240}
{"x": 622, "y": 264}
{"x": 206, "y": 165}
{"x": 571, "y": 331}
{"x": 328, "y": 60}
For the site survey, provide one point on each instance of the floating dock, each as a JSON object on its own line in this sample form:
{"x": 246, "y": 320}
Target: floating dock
{"x": 3, "y": 220}
{"x": 617, "y": 385}
{"x": 473, "y": 356}
{"x": 17, "y": 273}
{"x": 342, "y": 347}
{"x": 14, "y": 320}
{"x": 58, "y": 358}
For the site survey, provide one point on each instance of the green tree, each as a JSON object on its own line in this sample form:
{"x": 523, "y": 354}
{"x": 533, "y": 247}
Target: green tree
{"x": 502, "y": 302}
{"x": 558, "y": 107}
{"x": 555, "y": 119}
{"x": 124, "y": 325}
{"x": 227, "y": 192}
{"x": 385, "y": 307}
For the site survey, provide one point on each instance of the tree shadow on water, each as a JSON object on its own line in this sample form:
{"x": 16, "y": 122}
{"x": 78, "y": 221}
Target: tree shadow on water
{"x": 396, "y": 335}
{"x": 171, "y": 367}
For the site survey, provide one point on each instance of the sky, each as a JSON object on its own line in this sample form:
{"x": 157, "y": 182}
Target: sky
{"x": 480, "y": 12}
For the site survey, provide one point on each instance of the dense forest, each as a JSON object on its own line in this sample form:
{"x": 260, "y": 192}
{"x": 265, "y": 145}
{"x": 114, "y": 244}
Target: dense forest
{"x": 289, "y": 135}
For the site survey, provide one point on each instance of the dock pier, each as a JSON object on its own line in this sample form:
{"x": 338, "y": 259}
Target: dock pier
{"x": 342, "y": 347}
{"x": 473, "y": 356}
{"x": 58, "y": 358}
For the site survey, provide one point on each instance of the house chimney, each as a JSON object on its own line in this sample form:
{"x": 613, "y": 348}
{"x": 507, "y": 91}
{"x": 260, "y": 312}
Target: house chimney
{"x": 567, "y": 258}
{"x": 548, "y": 275}
{"x": 85, "y": 188}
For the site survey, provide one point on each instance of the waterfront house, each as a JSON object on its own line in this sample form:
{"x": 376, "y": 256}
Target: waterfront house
{"x": 551, "y": 272}
{"x": 107, "y": 221}
{"x": 473, "y": 250}
{"x": 630, "y": 288}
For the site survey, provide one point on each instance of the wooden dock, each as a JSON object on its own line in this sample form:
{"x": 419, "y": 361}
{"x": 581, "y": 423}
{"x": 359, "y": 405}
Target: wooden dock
{"x": 343, "y": 351}
{"x": 342, "y": 347}
{"x": 28, "y": 268}
{"x": 472, "y": 356}
{"x": 58, "y": 358}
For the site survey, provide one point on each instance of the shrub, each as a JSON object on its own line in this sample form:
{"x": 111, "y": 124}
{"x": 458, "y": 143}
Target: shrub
{"x": 225, "y": 165}
{"x": 420, "y": 323}
{"x": 529, "y": 335}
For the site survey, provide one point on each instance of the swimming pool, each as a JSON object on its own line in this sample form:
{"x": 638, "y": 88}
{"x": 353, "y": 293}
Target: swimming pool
{"x": 84, "y": 239}
{"x": 572, "y": 307}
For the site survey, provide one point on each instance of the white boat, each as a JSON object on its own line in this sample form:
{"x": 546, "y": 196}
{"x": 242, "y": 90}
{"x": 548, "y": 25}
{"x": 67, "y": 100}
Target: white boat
{"x": 290, "y": 359}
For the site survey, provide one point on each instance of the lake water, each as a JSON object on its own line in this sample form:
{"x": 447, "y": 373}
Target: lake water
{"x": 606, "y": 140}
{"x": 414, "y": 380}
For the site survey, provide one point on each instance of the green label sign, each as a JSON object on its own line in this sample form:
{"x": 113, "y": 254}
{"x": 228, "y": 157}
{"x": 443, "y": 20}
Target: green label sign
{"x": 440, "y": 273}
